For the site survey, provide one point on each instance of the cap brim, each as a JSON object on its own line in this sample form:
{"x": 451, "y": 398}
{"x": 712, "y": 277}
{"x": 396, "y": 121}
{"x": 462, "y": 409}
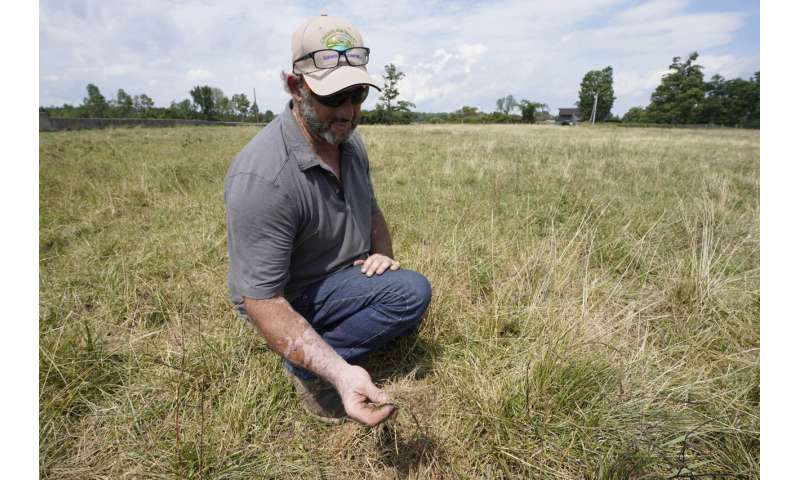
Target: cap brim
{"x": 329, "y": 81}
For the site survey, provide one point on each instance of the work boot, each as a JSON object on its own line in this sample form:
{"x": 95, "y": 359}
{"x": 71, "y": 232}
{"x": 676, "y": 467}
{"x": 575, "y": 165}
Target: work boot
{"x": 320, "y": 399}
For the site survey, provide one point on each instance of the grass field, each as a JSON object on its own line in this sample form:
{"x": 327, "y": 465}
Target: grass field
{"x": 595, "y": 310}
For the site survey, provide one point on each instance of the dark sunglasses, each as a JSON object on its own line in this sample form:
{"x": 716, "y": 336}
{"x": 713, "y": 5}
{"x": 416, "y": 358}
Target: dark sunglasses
{"x": 356, "y": 97}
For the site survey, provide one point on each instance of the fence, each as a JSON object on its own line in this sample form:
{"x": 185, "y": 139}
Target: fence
{"x": 51, "y": 124}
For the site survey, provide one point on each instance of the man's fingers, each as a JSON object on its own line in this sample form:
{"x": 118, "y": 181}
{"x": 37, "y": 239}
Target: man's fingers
{"x": 373, "y": 416}
{"x": 372, "y": 268}
{"x": 377, "y": 264}
{"x": 382, "y": 268}
{"x": 376, "y": 395}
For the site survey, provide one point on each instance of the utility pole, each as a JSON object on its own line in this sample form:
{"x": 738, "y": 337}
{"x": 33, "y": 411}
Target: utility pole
{"x": 594, "y": 108}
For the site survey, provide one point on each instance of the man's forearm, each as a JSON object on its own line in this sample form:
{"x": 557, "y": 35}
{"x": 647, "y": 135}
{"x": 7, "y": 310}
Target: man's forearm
{"x": 290, "y": 335}
{"x": 380, "y": 237}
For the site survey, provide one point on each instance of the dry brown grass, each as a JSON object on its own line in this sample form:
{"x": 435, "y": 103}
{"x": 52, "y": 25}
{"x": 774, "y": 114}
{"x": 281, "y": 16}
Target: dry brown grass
{"x": 595, "y": 310}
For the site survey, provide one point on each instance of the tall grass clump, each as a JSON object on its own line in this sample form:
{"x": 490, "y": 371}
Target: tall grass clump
{"x": 595, "y": 310}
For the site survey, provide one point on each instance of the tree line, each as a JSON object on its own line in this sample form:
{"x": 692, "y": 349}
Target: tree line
{"x": 390, "y": 111}
{"x": 207, "y": 103}
{"x": 683, "y": 97}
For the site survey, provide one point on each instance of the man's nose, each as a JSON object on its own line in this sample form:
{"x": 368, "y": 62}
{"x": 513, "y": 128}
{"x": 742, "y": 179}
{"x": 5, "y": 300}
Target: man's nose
{"x": 345, "y": 110}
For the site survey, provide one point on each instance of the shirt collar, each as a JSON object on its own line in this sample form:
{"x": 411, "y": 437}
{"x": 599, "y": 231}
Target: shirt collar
{"x": 297, "y": 145}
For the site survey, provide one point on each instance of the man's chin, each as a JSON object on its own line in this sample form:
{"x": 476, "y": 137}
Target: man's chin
{"x": 336, "y": 136}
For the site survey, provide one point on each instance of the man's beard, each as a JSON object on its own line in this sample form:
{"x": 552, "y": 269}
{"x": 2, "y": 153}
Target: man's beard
{"x": 323, "y": 129}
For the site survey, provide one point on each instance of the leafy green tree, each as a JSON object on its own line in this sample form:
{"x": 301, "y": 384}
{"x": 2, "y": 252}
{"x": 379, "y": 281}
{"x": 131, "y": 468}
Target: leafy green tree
{"x": 679, "y": 97}
{"x": 466, "y": 114}
{"x": 255, "y": 112}
{"x": 222, "y": 104}
{"x": 533, "y": 111}
{"x": 203, "y": 98}
{"x": 143, "y": 105}
{"x": 507, "y": 104}
{"x": 635, "y": 115}
{"x": 390, "y": 91}
{"x": 124, "y": 104}
{"x": 94, "y": 104}
{"x": 183, "y": 109}
{"x": 240, "y": 104}
{"x": 467, "y": 111}
{"x": 600, "y": 83}
{"x": 386, "y": 111}
{"x": 712, "y": 108}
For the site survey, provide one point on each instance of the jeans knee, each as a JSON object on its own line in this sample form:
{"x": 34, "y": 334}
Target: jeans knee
{"x": 417, "y": 290}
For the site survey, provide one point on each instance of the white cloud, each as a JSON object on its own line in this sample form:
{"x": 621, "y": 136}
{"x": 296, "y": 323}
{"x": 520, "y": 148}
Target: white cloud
{"x": 636, "y": 83}
{"x": 453, "y": 52}
{"x": 197, "y": 74}
{"x": 470, "y": 54}
{"x": 651, "y": 10}
{"x": 118, "y": 69}
{"x": 729, "y": 66}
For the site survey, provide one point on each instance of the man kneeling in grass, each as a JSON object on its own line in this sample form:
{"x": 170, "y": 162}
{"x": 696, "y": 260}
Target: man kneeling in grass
{"x": 311, "y": 261}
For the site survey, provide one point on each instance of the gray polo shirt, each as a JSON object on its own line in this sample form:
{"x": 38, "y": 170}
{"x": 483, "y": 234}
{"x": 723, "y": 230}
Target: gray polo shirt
{"x": 291, "y": 222}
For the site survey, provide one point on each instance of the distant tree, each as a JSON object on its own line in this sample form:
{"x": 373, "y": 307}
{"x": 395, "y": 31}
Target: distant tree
{"x": 268, "y": 116}
{"x": 124, "y": 104}
{"x": 94, "y": 104}
{"x": 391, "y": 78}
{"x": 255, "y": 113}
{"x": 679, "y": 97}
{"x": 391, "y": 92}
{"x": 754, "y": 100}
{"x": 533, "y": 111}
{"x": 387, "y": 111}
{"x": 143, "y": 105}
{"x": 404, "y": 106}
{"x": 183, "y": 109}
{"x": 240, "y": 104}
{"x": 203, "y": 98}
{"x": 65, "y": 111}
{"x": 600, "y": 83}
{"x": 222, "y": 104}
{"x": 714, "y": 109}
{"x": 635, "y": 115}
{"x": 507, "y": 104}
{"x": 466, "y": 114}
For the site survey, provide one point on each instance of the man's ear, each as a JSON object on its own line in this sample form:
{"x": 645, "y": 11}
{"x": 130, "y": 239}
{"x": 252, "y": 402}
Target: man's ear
{"x": 295, "y": 83}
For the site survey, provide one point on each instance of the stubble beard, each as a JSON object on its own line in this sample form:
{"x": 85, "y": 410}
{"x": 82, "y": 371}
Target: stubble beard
{"x": 320, "y": 128}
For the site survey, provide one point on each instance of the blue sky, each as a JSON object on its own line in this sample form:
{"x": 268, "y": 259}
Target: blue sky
{"x": 454, "y": 53}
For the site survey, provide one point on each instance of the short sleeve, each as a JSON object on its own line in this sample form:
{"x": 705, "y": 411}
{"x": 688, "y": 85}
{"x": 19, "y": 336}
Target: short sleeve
{"x": 374, "y": 208}
{"x": 365, "y": 158}
{"x": 262, "y": 224}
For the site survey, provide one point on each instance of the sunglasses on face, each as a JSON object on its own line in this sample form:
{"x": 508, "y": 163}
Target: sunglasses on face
{"x": 356, "y": 97}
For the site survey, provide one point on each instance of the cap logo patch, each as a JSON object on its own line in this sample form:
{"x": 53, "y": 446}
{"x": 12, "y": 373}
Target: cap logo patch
{"x": 339, "y": 40}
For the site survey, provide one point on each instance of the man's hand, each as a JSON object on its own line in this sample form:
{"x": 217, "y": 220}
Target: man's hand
{"x": 361, "y": 398}
{"x": 377, "y": 263}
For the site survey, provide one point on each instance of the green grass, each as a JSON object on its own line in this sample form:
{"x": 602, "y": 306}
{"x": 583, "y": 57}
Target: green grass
{"x": 595, "y": 310}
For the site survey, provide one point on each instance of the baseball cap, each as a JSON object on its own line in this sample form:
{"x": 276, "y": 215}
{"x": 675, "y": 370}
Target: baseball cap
{"x": 324, "y": 32}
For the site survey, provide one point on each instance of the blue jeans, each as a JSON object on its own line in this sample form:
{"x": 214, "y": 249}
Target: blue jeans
{"x": 356, "y": 314}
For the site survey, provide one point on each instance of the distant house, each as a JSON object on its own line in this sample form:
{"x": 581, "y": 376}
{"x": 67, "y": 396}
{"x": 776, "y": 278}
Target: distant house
{"x": 567, "y": 116}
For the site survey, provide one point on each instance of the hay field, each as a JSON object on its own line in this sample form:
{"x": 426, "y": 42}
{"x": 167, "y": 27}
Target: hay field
{"x": 595, "y": 310}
